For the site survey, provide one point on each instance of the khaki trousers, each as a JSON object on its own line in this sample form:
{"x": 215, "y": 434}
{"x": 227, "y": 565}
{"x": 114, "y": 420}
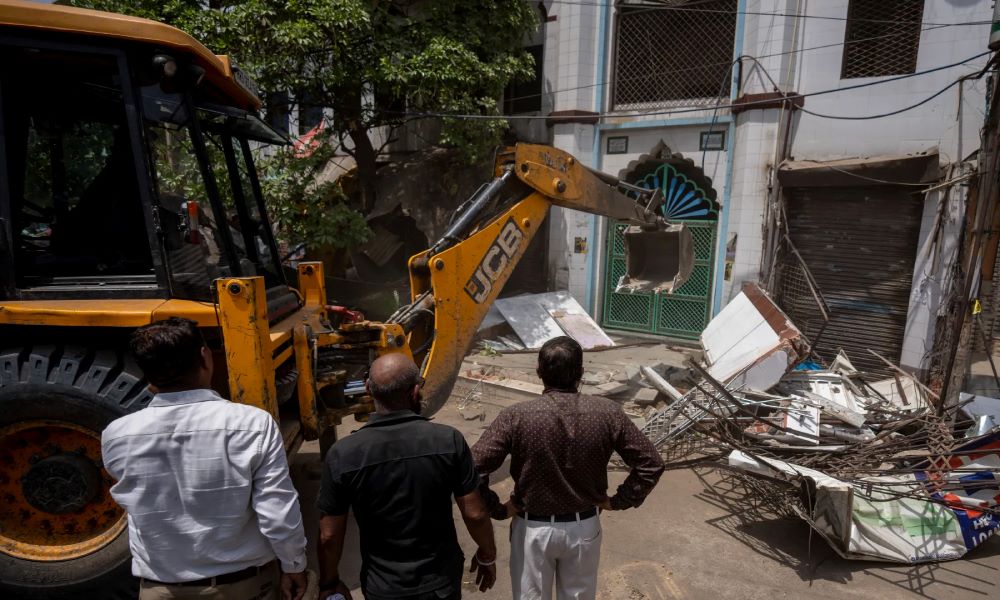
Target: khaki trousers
{"x": 263, "y": 586}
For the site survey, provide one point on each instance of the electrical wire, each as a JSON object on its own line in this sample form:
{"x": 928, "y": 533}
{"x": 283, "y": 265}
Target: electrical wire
{"x": 702, "y": 67}
{"x": 651, "y": 7}
{"x": 715, "y": 109}
{"x": 742, "y": 105}
{"x": 865, "y": 177}
{"x": 886, "y": 114}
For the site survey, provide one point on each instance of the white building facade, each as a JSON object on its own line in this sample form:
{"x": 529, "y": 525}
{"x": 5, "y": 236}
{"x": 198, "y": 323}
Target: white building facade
{"x": 786, "y": 132}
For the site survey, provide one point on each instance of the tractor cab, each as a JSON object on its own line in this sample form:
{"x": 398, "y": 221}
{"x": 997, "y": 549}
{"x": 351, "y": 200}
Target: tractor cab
{"x": 126, "y": 171}
{"x": 128, "y": 194}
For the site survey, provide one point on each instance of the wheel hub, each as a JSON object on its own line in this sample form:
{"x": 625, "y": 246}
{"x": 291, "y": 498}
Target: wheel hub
{"x": 62, "y": 483}
{"x": 55, "y": 500}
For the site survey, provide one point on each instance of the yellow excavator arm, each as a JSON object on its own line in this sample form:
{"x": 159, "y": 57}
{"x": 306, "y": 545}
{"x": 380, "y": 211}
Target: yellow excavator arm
{"x": 454, "y": 283}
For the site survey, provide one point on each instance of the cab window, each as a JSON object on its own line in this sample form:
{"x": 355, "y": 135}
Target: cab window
{"x": 75, "y": 208}
{"x": 192, "y": 236}
{"x": 246, "y": 223}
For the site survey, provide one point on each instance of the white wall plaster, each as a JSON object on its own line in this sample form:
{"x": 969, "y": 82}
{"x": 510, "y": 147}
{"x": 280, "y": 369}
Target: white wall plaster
{"x": 940, "y": 232}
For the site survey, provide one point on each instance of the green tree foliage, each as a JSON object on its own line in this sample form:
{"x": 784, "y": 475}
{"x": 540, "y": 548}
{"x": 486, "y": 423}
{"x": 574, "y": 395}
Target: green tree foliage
{"x": 317, "y": 211}
{"x": 302, "y": 208}
{"x": 376, "y": 63}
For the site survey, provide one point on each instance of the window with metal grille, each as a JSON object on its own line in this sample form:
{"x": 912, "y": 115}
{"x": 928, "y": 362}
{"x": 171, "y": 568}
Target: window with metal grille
{"x": 671, "y": 53}
{"x": 882, "y": 37}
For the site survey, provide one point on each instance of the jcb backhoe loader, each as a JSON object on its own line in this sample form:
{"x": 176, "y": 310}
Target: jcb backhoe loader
{"x": 128, "y": 194}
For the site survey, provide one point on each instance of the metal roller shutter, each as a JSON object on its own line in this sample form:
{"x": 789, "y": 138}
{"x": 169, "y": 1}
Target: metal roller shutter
{"x": 860, "y": 244}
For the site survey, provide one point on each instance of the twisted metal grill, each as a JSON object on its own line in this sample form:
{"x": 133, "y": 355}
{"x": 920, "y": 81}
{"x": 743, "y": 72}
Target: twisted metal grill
{"x": 673, "y": 57}
{"x": 800, "y": 297}
{"x": 882, "y": 37}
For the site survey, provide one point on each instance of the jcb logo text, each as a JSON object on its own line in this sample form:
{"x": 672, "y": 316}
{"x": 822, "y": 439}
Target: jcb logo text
{"x": 495, "y": 262}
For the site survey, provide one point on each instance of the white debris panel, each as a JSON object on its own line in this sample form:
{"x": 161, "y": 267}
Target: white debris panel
{"x": 925, "y": 515}
{"x": 751, "y": 343}
{"x": 537, "y": 318}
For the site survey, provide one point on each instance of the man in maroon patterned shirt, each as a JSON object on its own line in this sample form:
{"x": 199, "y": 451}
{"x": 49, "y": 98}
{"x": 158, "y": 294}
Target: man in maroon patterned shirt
{"x": 560, "y": 445}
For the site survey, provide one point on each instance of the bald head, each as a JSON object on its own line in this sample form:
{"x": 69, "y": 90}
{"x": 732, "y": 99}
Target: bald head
{"x": 391, "y": 380}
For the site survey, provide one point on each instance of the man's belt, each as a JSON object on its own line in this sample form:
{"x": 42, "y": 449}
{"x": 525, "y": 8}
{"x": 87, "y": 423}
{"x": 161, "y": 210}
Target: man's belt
{"x": 234, "y": 577}
{"x": 563, "y": 518}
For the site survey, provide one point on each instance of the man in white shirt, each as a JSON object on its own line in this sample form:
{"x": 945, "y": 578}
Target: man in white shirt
{"x": 204, "y": 481}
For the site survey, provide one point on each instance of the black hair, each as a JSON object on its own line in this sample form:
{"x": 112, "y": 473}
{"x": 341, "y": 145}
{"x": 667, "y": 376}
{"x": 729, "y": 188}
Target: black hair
{"x": 168, "y": 351}
{"x": 560, "y": 363}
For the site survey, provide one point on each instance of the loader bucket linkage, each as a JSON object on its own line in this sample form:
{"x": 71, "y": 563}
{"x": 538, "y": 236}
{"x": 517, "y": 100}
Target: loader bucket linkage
{"x": 658, "y": 258}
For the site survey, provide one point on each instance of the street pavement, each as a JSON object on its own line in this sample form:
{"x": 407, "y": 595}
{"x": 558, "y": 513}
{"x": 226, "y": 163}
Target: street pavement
{"x": 688, "y": 542}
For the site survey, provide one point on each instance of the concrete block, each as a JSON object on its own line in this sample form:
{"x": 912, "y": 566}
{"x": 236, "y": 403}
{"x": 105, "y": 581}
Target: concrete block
{"x": 628, "y": 374}
{"x": 613, "y": 388}
{"x": 646, "y": 397}
{"x": 595, "y": 377}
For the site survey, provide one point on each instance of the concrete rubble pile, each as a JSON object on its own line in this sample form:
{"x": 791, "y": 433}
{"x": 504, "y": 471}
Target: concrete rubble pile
{"x": 869, "y": 461}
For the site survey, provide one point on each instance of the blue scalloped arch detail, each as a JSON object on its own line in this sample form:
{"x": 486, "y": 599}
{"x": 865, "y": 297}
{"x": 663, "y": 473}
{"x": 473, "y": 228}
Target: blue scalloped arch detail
{"x": 682, "y": 199}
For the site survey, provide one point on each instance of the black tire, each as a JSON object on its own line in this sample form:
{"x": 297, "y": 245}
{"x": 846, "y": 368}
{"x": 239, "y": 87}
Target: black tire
{"x": 89, "y": 388}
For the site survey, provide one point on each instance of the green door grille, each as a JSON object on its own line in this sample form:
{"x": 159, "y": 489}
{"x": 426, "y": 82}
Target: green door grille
{"x": 682, "y": 314}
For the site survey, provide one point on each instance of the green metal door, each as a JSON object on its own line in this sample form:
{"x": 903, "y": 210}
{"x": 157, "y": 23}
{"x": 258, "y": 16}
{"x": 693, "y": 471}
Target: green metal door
{"x": 684, "y": 313}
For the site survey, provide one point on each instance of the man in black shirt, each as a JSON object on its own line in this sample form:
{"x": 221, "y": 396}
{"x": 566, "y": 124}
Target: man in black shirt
{"x": 399, "y": 473}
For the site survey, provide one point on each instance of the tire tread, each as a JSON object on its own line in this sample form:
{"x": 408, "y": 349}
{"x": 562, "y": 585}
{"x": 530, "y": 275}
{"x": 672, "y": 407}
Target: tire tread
{"x": 115, "y": 384}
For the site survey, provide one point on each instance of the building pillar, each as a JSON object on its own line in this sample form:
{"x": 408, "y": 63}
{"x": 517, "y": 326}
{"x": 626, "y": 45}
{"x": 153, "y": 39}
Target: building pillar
{"x": 573, "y": 39}
{"x": 571, "y": 231}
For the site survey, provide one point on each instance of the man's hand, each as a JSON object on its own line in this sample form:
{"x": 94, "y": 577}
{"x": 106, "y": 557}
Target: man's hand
{"x": 293, "y": 585}
{"x": 512, "y": 509}
{"x": 605, "y": 505}
{"x": 486, "y": 575}
{"x": 340, "y": 588}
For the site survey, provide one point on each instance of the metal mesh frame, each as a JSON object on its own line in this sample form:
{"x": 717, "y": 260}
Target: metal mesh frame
{"x": 673, "y": 57}
{"x": 882, "y": 38}
{"x": 799, "y": 296}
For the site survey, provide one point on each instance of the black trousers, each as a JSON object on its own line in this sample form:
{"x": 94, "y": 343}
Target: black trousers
{"x": 449, "y": 592}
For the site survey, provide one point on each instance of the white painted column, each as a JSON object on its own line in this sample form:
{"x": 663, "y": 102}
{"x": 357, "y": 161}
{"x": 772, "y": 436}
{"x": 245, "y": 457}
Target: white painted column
{"x": 768, "y": 34}
{"x": 574, "y": 38}
{"x": 570, "y": 231}
{"x": 933, "y": 271}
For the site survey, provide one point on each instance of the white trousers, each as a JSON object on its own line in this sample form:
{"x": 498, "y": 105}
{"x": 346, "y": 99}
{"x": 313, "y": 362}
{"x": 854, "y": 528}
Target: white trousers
{"x": 564, "y": 554}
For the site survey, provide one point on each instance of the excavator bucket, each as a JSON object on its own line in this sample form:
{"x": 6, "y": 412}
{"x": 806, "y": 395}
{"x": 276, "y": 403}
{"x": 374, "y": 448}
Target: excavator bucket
{"x": 657, "y": 258}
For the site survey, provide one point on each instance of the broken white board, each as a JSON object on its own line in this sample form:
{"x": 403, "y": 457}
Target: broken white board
{"x": 574, "y": 320}
{"x": 735, "y": 337}
{"x": 802, "y": 423}
{"x": 537, "y": 318}
{"x": 830, "y": 390}
{"x": 529, "y": 320}
{"x": 980, "y": 406}
{"x": 746, "y": 333}
{"x": 905, "y": 397}
{"x": 491, "y": 319}
{"x": 583, "y": 329}
{"x": 764, "y": 374}
{"x": 833, "y": 408}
